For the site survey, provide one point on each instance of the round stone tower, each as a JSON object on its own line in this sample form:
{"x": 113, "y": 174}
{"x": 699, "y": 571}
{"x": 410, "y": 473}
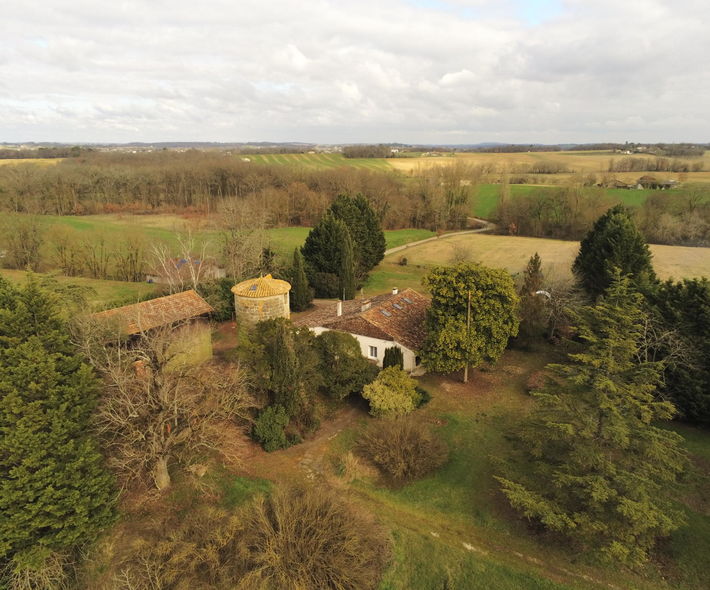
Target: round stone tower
{"x": 263, "y": 298}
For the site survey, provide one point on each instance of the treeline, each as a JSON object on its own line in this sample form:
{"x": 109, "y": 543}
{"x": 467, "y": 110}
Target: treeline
{"x": 204, "y": 182}
{"x": 367, "y": 151}
{"x": 653, "y": 165}
{"x": 41, "y": 153}
{"x": 678, "y": 218}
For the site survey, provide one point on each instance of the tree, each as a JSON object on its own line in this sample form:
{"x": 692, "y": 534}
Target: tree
{"x": 345, "y": 371}
{"x": 54, "y": 491}
{"x": 301, "y": 292}
{"x": 365, "y": 230}
{"x": 394, "y": 357}
{"x": 472, "y": 315}
{"x": 597, "y": 468}
{"x": 613, "y": 242}
{"x": 285, "y": 367}
{"x": 329, "y": 257}
{"x": 159, "y": 407}
{"x": 684, "y": 309}
{"x": 532, "y": 300}
{"x": 346, "y": 273}
{"x": 23, "y": 237}
{"x": 393, "y": 393}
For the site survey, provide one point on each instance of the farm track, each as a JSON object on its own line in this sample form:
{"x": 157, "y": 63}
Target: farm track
{"x": 487, "y": 226}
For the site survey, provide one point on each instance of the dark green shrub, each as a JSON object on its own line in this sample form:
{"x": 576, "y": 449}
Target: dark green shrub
{"x": 394, "y": 357}
{"x": 270, "y": 428}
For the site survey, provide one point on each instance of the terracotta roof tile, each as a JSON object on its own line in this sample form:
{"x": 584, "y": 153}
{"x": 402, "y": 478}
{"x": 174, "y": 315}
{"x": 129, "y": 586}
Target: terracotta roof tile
{"x": 158, "y": 312}
{"x": 400, "y": 318}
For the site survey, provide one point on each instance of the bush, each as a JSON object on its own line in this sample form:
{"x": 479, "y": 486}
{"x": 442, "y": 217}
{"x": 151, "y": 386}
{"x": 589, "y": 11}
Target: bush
{"x": 403, "y": 448}
{"x": 218, "y": 293}
{"x": 393, "y": 393}
{"x": 394, "y": 357}
{"x": 345, "y": 371}
{"x": 310, "y": 539}
{"x": 270, "y": 428}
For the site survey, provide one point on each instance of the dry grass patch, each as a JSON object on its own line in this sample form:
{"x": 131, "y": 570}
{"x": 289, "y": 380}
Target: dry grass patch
{"x": 513, "y": 253}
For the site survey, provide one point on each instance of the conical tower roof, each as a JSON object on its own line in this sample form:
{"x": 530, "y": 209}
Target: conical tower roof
{"x": 261, "y": 287}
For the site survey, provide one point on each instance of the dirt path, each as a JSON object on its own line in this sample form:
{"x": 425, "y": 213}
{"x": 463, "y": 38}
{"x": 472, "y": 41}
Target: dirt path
{"x": 487, "y": 226}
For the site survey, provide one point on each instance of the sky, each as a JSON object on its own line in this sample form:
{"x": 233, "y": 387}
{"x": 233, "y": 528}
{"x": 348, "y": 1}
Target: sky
{"x": 366, "y": 71}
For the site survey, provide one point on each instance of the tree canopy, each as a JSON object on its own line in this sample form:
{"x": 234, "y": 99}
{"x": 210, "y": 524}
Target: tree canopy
{"x": 330, "y": 259}
{"x": 365, "y": 230}
{"x": 613, "y": 242}
{"x": 594, "y": 466}
{"x": 472, "y": 315}
{"x": 54, "y": 491}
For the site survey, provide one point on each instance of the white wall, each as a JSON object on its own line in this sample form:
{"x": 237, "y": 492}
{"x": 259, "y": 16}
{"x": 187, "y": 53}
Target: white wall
{"x": 381, "y": 345}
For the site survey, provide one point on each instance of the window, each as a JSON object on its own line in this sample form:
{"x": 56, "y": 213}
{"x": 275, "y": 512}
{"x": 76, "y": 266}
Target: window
{"x": 373, "y": 352}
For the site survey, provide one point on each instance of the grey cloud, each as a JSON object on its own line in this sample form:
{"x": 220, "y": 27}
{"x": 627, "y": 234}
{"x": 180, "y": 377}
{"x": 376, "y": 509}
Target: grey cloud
{"x": 321, "y": 70}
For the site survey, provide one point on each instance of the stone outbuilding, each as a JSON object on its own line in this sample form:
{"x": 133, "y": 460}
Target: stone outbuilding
{"x": 263, "y": 298}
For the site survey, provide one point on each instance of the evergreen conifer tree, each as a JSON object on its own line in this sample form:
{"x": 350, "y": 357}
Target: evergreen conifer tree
{"x": 365, "y": 230}
{"x": 301, "y": 292}
{"x": 532, "y": 305}
{"x": 614, "y": 242}
{"x": 393, "y": 357}
{"x": 597, "y": 468}
{"x": 346, "y": 275}
{"x": 54, "y": 491}
{"x": 326, "y": 246}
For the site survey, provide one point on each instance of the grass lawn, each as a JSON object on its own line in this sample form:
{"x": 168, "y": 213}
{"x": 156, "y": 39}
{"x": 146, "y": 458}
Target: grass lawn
{"x": 101, "y": 294}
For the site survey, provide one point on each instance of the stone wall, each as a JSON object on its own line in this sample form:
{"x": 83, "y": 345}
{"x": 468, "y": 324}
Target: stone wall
{"x": 251, "y": 310}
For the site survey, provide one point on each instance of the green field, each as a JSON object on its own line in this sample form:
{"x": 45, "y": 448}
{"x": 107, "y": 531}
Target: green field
{"x": 321, "y": 161}
{"x": 99, "y": 293}
{"x": 488, "y": 196}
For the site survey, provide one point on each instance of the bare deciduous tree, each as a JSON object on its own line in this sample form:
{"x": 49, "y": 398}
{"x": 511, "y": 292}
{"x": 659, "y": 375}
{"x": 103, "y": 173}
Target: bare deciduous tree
{"x": 158, "y": 406}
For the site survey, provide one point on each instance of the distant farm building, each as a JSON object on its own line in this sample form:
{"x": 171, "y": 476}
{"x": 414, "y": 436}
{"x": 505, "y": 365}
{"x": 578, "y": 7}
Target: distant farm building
{"x": 378, "y": 323}
{"x": 186, "y": 312}
{"x": 652, "y": 182}
{"x": 262, "y": 298}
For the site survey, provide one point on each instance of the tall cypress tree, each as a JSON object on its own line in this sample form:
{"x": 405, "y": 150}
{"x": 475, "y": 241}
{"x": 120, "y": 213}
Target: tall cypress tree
{"x": 54, "y": 491}
{"x": 346, "y": 272}
{"x": 613, "y": 243}
{"x": 301, "y": 292}
{"x": 532, "y": 305}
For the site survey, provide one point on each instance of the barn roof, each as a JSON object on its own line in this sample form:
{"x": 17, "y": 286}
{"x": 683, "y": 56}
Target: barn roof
{"x": 399, "y": 318}
{"x": 261, "y": 287}
{"x": 155, "y": 313}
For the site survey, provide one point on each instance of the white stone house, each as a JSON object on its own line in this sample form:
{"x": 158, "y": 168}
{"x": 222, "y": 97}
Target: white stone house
{"x": 378, "y": 323}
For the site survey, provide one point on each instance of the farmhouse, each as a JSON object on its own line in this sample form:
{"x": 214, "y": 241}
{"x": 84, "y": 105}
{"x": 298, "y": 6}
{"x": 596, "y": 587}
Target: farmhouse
{"x": 378, "y": 323}
{"x": 186, "y": 311}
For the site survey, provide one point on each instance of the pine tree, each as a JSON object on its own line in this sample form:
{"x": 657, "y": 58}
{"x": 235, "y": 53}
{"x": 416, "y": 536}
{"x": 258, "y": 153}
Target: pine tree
{"x": 614, "y": 242}
{"x": 597, "y": 469}
{"x": 532, "y": 303}
{"x": 301, "y": 292}
{"x": 54, "y": 491}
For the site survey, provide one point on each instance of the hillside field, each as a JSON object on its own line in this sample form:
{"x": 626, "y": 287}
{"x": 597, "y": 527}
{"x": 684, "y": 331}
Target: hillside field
{"x": 320, "y": 161}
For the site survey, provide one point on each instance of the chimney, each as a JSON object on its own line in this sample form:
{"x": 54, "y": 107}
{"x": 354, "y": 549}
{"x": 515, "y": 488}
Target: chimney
{"x": 339, "y": 309}
{"x": 395, "y": 290}
{"x": 366, "y": 305}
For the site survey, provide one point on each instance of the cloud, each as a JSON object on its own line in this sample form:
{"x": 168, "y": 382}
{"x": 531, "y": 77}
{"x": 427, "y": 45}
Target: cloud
{"x": 328, "y": 71}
